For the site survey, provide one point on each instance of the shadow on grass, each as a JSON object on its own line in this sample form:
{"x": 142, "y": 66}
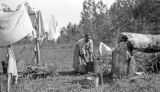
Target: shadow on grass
{"x": 67, "y": 73}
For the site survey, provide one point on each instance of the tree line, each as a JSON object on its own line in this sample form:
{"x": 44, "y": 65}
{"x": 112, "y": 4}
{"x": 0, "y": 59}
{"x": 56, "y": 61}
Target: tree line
{"x": 139, "y": 16}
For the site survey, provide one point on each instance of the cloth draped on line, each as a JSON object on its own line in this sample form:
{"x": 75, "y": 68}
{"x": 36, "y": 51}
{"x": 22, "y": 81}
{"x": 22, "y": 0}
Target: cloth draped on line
{"x": 104, "y": 49}
{"x": 51, "y": 27}
{"x": 38, "y": 24}
{"x": 45, "y": 24}
{"x": 14, "y": 26}
{"x": 12, "y": 66}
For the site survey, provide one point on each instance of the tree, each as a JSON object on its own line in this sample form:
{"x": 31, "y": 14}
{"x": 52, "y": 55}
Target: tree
{"x": 139, "y": 16}
{"x": 88, "y": 16}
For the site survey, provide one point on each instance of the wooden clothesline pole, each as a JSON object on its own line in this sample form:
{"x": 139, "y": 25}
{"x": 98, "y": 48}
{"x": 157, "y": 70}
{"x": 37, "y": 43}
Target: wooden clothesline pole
{"x": 37, "y": 40}
{"x": 38, "y": 51}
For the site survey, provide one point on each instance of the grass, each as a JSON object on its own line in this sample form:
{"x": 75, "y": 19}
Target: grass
{"x": 61, "y": 59}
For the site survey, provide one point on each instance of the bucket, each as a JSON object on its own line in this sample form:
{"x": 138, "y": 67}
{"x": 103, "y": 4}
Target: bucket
{"x": 93, "y": 67}
{"x": 93, "y": 81}
{"x": 89, "y": 66}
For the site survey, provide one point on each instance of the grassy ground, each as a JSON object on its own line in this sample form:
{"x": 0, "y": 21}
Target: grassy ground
{"x": 61, "y": 58}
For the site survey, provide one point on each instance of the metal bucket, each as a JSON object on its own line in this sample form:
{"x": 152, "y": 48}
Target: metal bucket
{"x": 93, "y": 67}
{"x": 89, "y": 66}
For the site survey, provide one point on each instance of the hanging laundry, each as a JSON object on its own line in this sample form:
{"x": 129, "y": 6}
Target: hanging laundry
{"x": 40, "y": 25}
{"x": 52, "y": 31}
{"x": 12, "y": 66}
{"x": 104, "y": 49}
{"x": 14, "y": 26}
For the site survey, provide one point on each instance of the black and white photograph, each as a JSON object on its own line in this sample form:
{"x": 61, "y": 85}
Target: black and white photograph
{"x": 79, "y": 45}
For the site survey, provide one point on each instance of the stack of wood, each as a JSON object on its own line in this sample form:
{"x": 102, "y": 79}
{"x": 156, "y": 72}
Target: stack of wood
{"x": 37, "y": 72}
{"x": 147, "y": 62}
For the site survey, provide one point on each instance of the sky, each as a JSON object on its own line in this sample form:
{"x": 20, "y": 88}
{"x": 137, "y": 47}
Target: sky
{"x": 64, "y": 11}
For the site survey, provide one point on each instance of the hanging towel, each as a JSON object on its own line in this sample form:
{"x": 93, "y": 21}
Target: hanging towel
{"x": 40, "y": 25}
{"x": 52, "y": 32}
{"x": 12, "y": 66}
